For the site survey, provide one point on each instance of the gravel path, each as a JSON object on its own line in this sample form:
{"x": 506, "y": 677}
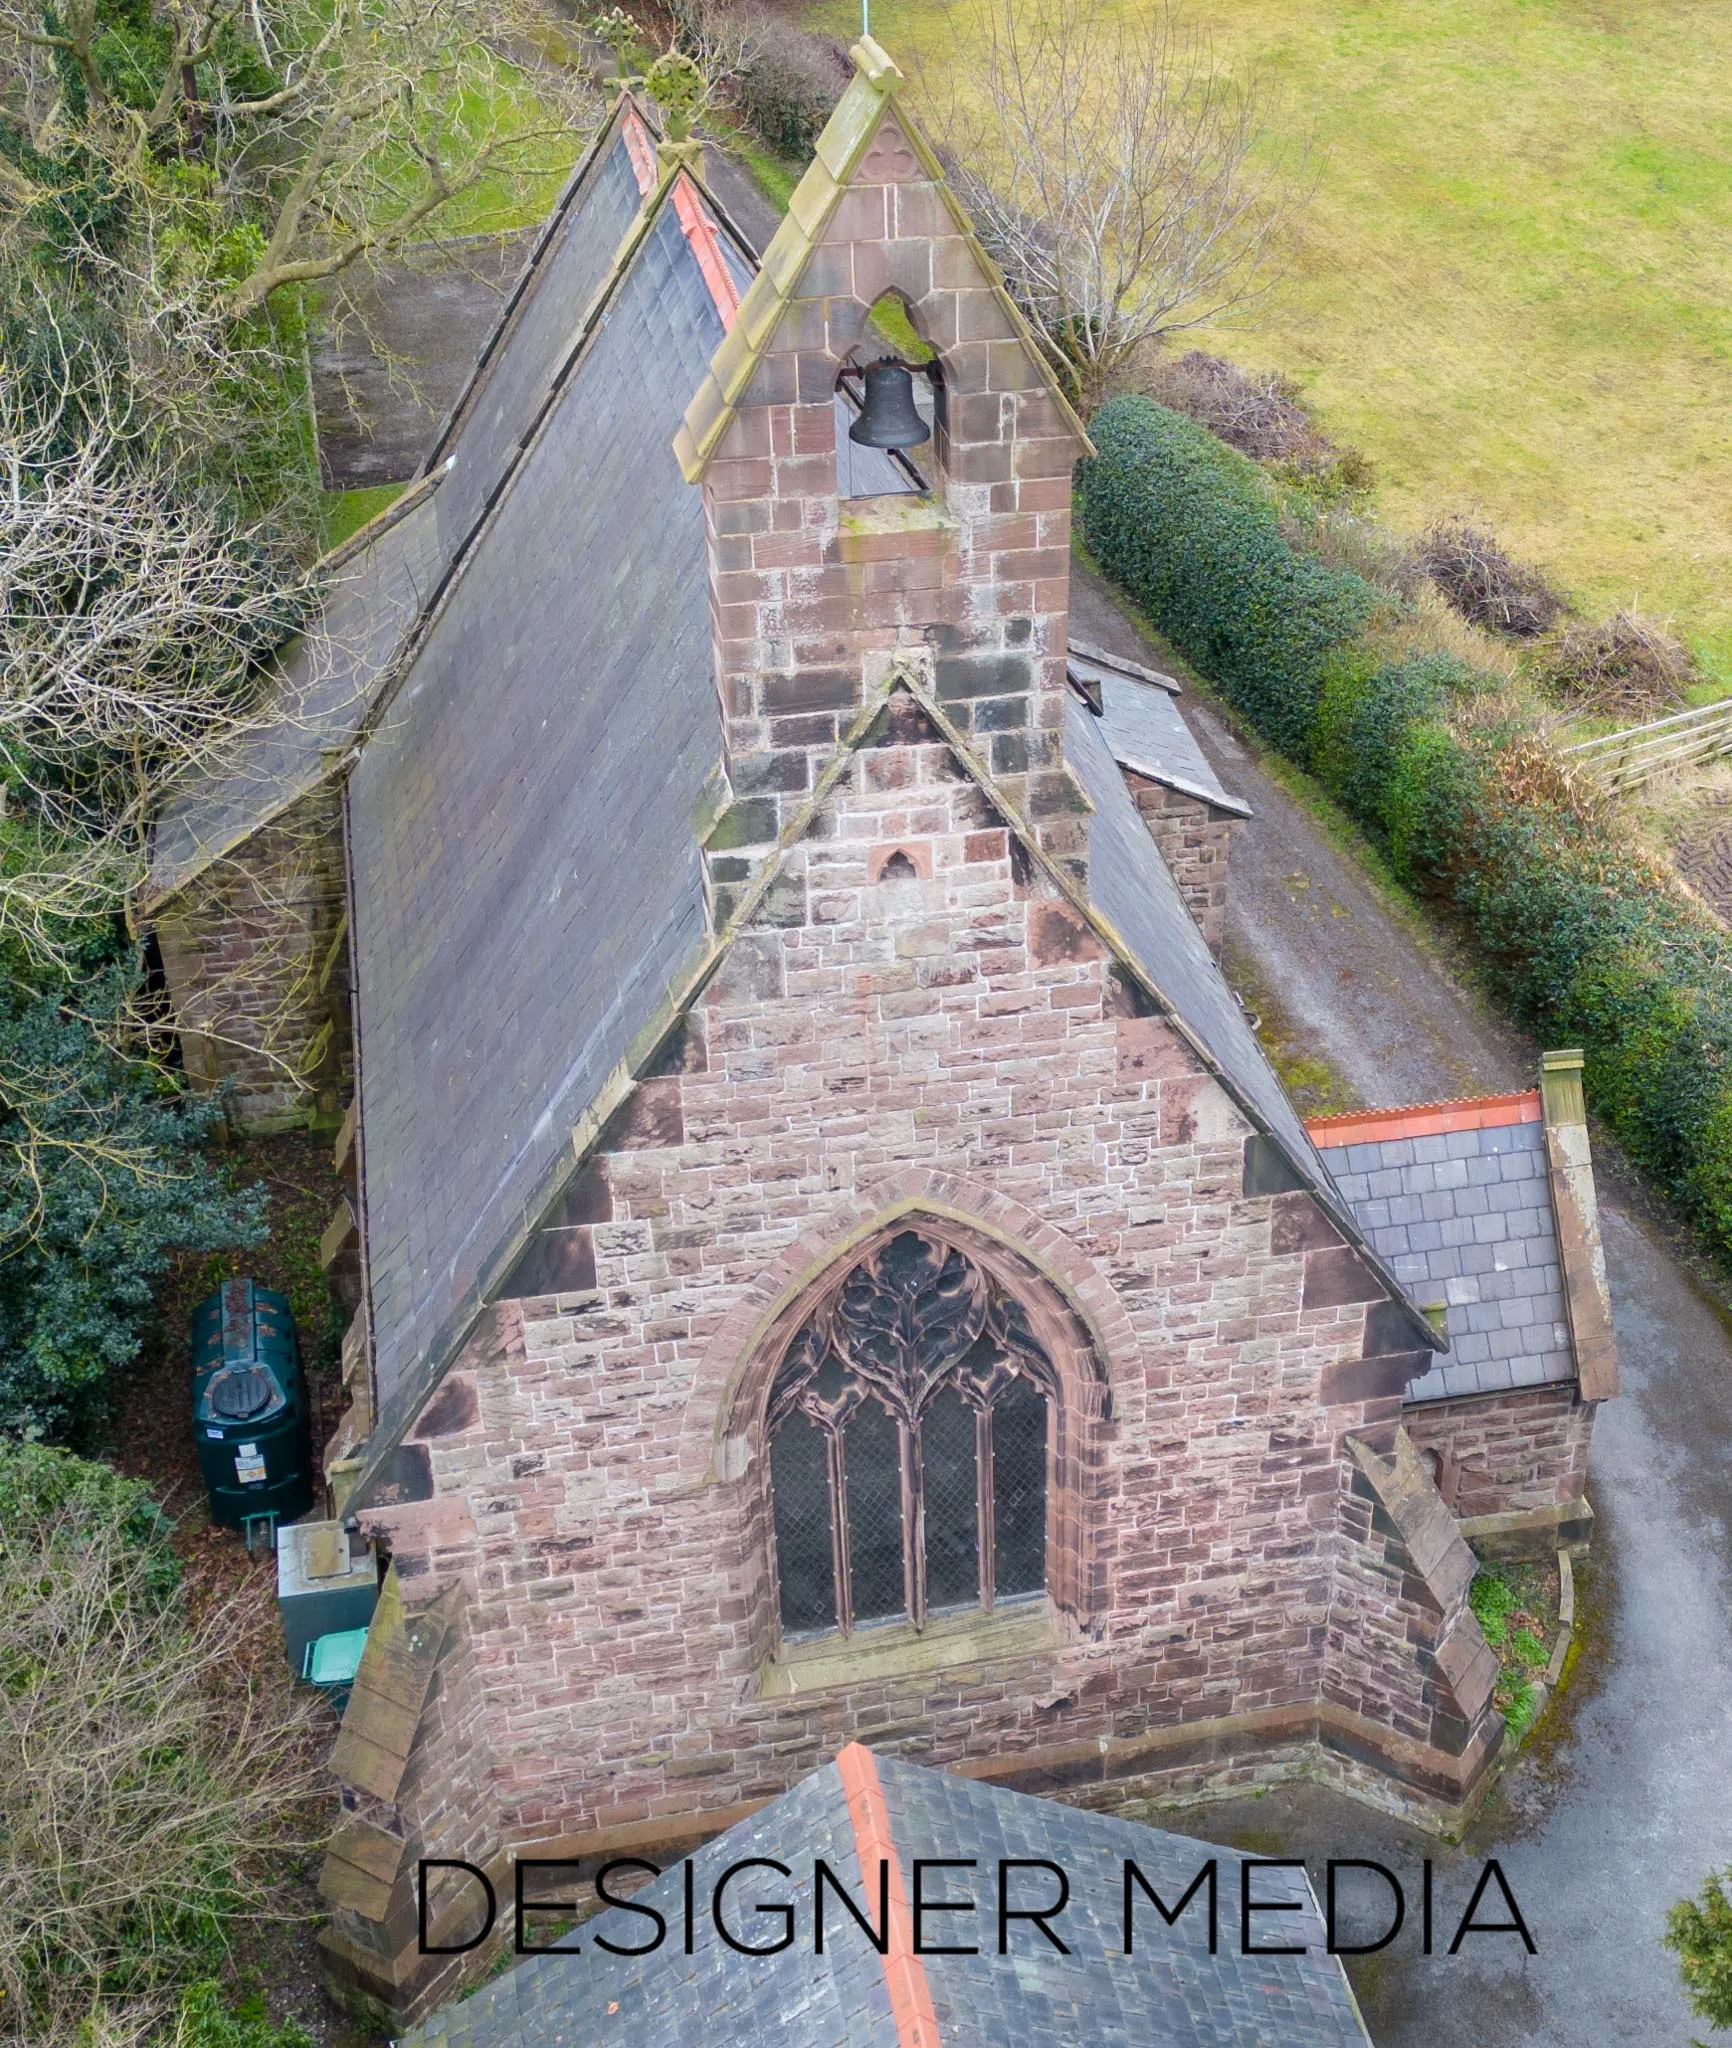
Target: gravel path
{"x": 1620, "y": 1801}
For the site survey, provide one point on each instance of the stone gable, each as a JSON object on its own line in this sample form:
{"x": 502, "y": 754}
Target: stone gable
{"x": 920, "y": 1027}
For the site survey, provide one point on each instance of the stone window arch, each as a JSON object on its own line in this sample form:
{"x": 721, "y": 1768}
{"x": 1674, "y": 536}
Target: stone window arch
{"x": 914, "y": 1428}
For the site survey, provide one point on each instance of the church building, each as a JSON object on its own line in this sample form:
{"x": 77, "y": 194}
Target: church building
{"x": 831, "y": 1259}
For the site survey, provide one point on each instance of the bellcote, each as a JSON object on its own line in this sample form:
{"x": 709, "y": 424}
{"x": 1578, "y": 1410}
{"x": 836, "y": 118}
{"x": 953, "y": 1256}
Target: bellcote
{"x": 825, "y": 560}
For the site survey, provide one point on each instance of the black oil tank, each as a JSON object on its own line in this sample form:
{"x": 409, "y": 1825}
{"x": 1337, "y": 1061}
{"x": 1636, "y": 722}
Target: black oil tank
{"x": 249, "y": 1405}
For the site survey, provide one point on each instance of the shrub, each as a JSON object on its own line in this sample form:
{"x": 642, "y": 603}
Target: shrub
{"x": 1364, "y": 718}
{"x": 1256, "y": 411}
{"x": 1586, "y": 939}
{"x": 141, "y": 1777}
{"x": 1334, "y": 532}
{"x": 105, "y": 1182}
{"x": 1191, "y": 528}
{"x": 39, "y": 1486}
{"x": 1484, "y": 584}
{"x": 1260, "y": 413}
{"x": 789, "y": 85}
{"x": 1699, "y": 1934}
{"x": 1625, "y": 666}
{"x": 786, "y": 80}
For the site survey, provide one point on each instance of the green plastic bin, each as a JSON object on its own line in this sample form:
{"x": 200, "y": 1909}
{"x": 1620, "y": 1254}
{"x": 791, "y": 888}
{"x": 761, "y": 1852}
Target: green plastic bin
{"x": 332, "y": 1661}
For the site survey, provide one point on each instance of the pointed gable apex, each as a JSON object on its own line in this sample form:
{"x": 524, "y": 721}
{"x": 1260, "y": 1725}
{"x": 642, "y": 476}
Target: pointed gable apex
{"x": 871, "y": 130}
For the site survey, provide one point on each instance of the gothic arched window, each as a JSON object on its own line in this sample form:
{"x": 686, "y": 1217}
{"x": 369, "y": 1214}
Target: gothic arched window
{"x": 908, "y": 1445}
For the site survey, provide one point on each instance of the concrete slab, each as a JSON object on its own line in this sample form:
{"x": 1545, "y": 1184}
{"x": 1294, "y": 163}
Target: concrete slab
{"x": 394, "y": 347}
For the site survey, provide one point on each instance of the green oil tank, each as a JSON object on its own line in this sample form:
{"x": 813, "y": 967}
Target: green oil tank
{"x": 249, "y": 1405}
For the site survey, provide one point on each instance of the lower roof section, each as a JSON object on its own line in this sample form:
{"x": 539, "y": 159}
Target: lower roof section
{"x": 1456, "y": 1198}
{"x": 864, "y": 1814}
{"x": 1140, "y": 717}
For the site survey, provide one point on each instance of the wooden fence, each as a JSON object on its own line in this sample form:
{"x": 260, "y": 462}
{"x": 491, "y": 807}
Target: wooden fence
{"x": 1623, "y": 760}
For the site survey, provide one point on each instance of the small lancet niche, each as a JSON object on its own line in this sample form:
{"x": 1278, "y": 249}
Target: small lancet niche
{"x": 890, "y": 421}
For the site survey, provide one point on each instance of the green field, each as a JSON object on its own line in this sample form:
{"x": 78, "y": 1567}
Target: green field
{"x": 1514, "y": 285}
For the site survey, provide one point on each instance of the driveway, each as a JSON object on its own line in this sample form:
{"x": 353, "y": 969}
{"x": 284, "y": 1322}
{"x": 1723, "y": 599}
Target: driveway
{"x": 1622, "y": 1798}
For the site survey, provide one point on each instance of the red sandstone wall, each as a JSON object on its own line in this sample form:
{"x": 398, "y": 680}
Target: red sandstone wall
{"x": 245, "y": 948}
{"x": 1503, "y": 1452}
{"x": 806, "y": 586}
{"x": 1195, "y": 841}
{"x": 1405, "y": 1652}
{"x": 960, "y": 1042}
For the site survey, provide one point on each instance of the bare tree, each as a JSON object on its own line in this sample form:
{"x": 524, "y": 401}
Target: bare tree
{"x": 147, "y": 1783}
{"x": 334, "y": 132}
{"x": 134, "y": 622}
{"x": 1127, "y": 186}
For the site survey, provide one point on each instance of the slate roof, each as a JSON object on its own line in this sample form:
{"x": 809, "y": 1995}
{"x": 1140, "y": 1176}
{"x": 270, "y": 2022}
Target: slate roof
{"x": 1464, "y": 1217}
{"x": 1169, "y": 1993}
{"x": 1142, "y": 723}
{"x": 523, "y": 822}
{"x": 381, "y": 583}
{"x": 569, "y": 265}
{"x": 326, "y": 682}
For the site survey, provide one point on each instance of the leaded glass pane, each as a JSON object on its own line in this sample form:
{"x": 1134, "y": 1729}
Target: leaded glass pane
{"x": 947, "y": 1455}
{"x": 872, "y": 1454}
{"x": 1019, "y": 1489}
{"x": 800, "y": 1491}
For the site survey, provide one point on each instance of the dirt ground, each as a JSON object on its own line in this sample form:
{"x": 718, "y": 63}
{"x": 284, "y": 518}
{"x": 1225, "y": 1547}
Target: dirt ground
{"x": 151, "y": 1438}
{"x": 1690, "y": 816}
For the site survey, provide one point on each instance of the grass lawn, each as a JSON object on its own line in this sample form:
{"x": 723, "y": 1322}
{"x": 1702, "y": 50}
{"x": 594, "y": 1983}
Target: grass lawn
{"x": 519, "y": 193}
{"x": 1514, "y": 289}
{"x": 342, "y": 513}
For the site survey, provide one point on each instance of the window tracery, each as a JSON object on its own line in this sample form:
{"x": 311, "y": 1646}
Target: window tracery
{"x": 908, "y": 1429}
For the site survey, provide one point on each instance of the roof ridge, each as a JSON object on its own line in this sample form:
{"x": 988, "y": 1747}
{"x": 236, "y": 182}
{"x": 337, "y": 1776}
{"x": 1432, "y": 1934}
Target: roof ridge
{"x": 385, "y": 683}
{"x": 568, "y": 363}
{"x": 1216, "y": 800}
{"x": 383, "y": 520}
{"x": 1428, "y": 1119}
{"x": 529, "y": 278}
{"x": 1121, "y": 665}
{"x": 904, "y": 1973}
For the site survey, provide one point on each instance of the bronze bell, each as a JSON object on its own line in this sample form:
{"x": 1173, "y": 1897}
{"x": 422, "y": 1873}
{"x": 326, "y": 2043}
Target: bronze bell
{"x": 888, "y": 418}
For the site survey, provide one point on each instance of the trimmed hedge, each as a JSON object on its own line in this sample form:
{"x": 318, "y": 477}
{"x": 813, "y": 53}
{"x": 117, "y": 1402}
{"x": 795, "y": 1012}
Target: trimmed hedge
{"x": 1583, "y": 938}
{"x": 1190, "y": 526}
